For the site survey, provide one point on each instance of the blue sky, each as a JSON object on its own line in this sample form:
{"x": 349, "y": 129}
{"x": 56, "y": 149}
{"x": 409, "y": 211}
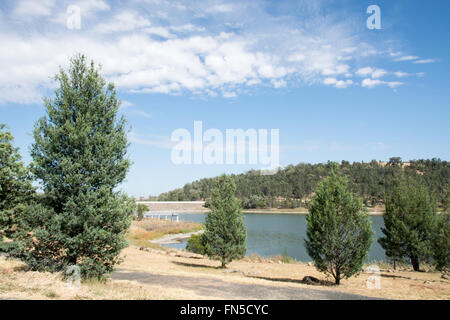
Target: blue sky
{"x": 312, "y": 69}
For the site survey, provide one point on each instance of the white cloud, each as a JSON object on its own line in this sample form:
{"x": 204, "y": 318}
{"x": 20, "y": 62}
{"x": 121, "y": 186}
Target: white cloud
{"x": 28, "y": 9}
{"x": 395, "y": 54}
{"x": 406, "y": 58}
{"x": 126, "y": 104}
{"x": 422, "y": 61}
{"x": 90, "y": 6}
{"x": 415, "y": 59}
{"x": 167, "y": 48}
{"x": 371, "y": 83}
{"x": 159, "y": 31}
{"x": 374, "y": 73}
{"x": 88, "y": 9}
{"x": 125, "y": 21}
{"x": 364, "y": 71}
{"x": 278, "y": 83}
{"x": 337, "y": 83}
{"x": 222, "y": 8}
{"x": 401, "y": 74}
{"x": 151, "y": 140}
{"x": 378, "y": 73}
{"x": 139, "y": 113}
{"x": 187, "y": 28}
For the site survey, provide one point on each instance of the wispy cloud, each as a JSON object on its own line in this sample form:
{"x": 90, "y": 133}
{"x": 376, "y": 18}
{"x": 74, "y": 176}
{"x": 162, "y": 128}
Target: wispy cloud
{"x": 374, "y": 73}
{"x": 406, "y": 58}
{"x": 415, "y": 59}
{"x": 371, "y": 83}
{"x": 123, "y": 22}
{"x": 30, "y": 9}
{"x": 338, "y": 83}
{"x": 421, "y": 61}
{"x": 126, "y": 104}
{"x": 157, "y": 141}
{"x": 139, "y": 113}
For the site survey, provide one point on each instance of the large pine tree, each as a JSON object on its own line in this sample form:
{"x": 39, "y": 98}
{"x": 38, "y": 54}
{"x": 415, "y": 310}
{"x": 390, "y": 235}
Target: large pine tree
{"x": 79, "y": 157}
{"x": 225, "y": 231}
{"x": 339, "y": 231}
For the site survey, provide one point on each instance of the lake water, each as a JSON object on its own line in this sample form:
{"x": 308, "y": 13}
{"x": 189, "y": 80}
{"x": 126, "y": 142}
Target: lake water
{"x": 274, "y": 234}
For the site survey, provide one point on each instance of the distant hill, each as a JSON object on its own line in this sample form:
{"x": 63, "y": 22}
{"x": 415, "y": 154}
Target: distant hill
{"x": 293, "y": 185}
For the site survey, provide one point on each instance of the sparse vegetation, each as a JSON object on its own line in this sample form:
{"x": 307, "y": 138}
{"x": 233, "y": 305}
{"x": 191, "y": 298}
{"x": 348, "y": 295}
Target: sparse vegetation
{"x": 141, "y": 232}
{"x": 285, "y": 258}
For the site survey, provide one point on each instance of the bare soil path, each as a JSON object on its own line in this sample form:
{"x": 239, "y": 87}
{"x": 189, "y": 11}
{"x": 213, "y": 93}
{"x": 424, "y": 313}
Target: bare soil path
{"x": 208, "y": 287}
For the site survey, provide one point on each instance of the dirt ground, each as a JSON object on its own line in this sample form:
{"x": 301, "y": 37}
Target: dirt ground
{"x": 172, "y": 274}
{"x": 392, "y": 285}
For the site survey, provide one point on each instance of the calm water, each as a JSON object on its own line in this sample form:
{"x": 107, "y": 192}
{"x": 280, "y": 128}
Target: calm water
{"x": 274, "y": 234}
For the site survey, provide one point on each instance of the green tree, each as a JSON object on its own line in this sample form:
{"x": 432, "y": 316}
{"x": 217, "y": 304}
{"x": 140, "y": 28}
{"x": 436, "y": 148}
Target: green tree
{"x": 441, "y": 243}
{"x": 409, "y": 221}
{"x": 79, "y": 157}
{"x": 15, "y": 185}
{"x": 446, "y": 198}
{"x": 196, "y": 244}
{"x": 225, "y": 231}
{"x": 339, "y": 231}
{"x": 141, "y": 208}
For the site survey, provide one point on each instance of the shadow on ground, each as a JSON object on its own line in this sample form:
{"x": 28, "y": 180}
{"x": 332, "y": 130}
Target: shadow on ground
{"x": 195, "y": 265}
{"x": 217, "y": 288}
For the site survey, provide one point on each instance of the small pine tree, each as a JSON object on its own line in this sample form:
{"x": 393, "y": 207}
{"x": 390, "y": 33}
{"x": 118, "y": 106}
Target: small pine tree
{"x": 225, "y": 231}
{"x": 339, "y": 231}
{"x": 79, "y": 158}
{"x": 409, "y": 221}
{"x": 15, "y": 185}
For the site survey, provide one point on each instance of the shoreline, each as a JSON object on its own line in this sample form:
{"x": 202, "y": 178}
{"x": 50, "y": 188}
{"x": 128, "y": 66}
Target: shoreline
{"x": 174, "y": 238}
{"x": 257, "y": 211}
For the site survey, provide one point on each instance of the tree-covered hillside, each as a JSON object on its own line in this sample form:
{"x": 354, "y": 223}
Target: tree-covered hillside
{"x": 292, "y": 186}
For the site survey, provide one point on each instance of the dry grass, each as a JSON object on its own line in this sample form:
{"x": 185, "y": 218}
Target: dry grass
{"x": 149, "y": 229}
{"x": 18, "y": 283}
{"x": 405, "y": 284}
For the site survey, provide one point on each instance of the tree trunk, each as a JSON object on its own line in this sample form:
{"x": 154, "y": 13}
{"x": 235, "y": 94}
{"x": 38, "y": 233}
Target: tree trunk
{"x": 73, "y": 260}
{"x": 224, "y": 264}
{"x": 337, "y": 278}
{"x": 415, "y": 262}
